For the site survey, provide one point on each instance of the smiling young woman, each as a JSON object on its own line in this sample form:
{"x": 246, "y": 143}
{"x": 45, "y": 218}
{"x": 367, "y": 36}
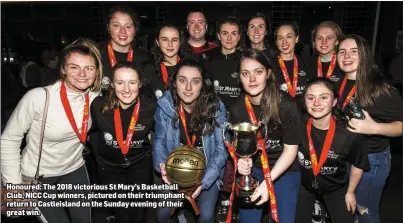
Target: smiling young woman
{"x": 383, "y": 110}
{"x": 168, "y": 49}
{"x": 327, "y": 152}
{"x": 290, "y": 69}
{"x": 67, "y": 123}
{"x": 325, "y": 40}
{"x": 123, "y": 121}
{"x": 258, "y": 31}
{"x": 123, "y": 25}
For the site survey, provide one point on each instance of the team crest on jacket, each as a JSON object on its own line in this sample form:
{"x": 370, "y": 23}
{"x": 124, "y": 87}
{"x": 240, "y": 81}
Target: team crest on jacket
{"x": 235, "y": 75}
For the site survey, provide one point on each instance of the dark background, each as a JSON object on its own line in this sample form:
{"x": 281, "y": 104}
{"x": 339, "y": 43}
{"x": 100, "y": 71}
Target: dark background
{"x": 27, "y": 28}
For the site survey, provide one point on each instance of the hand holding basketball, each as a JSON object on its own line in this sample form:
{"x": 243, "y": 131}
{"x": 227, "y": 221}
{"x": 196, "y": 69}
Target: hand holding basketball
{"x": 164, "y": 174}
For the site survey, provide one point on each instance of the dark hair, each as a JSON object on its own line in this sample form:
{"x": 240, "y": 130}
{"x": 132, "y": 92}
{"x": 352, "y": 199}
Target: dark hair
{"x": 336, "y": 111}
{"x": 294, "y": 27}
{"x": 270, "y": 101}
{"x": 112, "y": 100}
{"x": 125, "y": 9}
{"x": 370, "y": 82}
{"x": 85, "y": 47}
{"x": 330, "y": 24}
{"x": 196, "y": 11}
{"x": 232, "y": 21}
{"x": 267, "y": 23}
{"x": 207, "y": 105}
{"x": 298, "y": 46}
{"x": 158, "y": 56}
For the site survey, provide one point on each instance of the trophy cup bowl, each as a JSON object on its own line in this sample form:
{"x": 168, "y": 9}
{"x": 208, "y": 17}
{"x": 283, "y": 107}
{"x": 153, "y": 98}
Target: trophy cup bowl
{"x": 245, "y": 145}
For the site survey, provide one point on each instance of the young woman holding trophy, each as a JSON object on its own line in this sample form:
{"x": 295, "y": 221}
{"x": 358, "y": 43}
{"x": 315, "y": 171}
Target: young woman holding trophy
{"x": 190, "y": 113}
{"x": 263, "y": 101}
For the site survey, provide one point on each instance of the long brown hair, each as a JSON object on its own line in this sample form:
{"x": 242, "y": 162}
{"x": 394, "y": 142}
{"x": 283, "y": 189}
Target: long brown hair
{"x": 207, "y": 106}
{"x": 270, "y": 101}
{"x": 112, "y": 100}
{"x": 371, "y": 83}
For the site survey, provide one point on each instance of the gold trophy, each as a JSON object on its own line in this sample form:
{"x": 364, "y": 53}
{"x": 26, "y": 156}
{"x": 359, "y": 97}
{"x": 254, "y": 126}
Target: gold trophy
{"x": 244, "y": 143}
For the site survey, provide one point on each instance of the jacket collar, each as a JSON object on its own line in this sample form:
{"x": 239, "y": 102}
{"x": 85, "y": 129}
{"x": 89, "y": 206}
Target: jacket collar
{"x": 166, "y": 104}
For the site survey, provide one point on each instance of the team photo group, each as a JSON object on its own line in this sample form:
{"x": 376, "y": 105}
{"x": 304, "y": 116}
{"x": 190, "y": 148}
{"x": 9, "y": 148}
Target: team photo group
{"x": 248, "y": 128}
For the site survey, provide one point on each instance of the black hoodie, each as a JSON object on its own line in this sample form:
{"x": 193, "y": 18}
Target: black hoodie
{"x": 224, "y": 72}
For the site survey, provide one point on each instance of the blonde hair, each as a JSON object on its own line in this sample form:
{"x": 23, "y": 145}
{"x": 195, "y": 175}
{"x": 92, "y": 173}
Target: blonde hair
{"x": 330, "y": 24}
{"x": 85, "y": 47}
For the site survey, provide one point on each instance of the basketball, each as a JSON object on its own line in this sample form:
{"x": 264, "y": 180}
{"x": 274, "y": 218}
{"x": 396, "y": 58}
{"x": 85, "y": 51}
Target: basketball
{"x": 186, "y": 166}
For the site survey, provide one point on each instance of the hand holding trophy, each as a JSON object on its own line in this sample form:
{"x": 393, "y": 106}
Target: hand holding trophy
{"x": 186, "y": 166}
{"x": 247, "y": 141}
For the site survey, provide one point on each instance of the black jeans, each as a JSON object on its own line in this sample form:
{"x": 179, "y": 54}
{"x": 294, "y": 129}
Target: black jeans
{"x": 68, "y": 215}
{"x": 138, "y": 173}
{"x": 334, "y": 202}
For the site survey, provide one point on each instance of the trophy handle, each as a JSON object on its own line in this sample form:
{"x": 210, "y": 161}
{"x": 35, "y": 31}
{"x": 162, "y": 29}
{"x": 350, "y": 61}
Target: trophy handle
{"x": 227, "y": 126}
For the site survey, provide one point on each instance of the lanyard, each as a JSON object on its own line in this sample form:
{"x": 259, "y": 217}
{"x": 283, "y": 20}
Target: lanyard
{"x": 292, "y": 89}
{"x": 326, "y": 146}
{"x": 164, "y": 71}
{"x": 125, "y": 145}
{"x": 350, "y": 94}
{"x": 67, "y": 108}
{"x": 183, "y": 119}
{"x": 329, "y": 70}
{"x": 112, "y": 57}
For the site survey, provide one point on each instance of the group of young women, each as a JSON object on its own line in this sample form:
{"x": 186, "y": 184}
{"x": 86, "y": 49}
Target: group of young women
{"x": 184, "y": 98}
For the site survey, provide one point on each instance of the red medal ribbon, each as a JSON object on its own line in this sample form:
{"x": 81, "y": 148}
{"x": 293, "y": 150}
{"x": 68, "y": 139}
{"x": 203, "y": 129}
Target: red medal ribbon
{"x": 326, "y": 146}
{"x": 125, "y": 145}
{"x": 264, "y": 161}
{"x": 292, "y": 90}
{"x": 350, "y": 94}
{"x": 112, "y": 57}
{"x": 329, "y": 70}
{"x": 164, "y": 71}
{"x": 183, "y": 119}
{"x": 66, "y": 105}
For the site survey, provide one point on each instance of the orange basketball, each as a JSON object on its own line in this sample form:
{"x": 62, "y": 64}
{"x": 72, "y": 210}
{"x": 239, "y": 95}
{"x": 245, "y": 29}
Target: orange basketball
{"x": 186, "y": 166}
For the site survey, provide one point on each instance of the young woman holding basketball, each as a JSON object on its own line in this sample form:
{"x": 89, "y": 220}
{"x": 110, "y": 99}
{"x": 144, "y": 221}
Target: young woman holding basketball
{"x": 383, "y": 111}
{"x": 123, "y": 121}
{"x": 327, "y": 151}
{"x": 262, "y": 101}
{"x": 190, "y": 113}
